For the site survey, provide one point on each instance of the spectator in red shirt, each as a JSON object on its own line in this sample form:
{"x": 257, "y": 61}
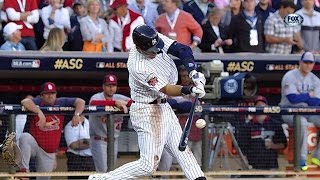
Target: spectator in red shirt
{"x": 42, "y": 140}
{"x": 179, "y": 25}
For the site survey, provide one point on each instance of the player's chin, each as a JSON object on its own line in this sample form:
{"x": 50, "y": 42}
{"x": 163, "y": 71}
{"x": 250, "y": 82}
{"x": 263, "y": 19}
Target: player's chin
{"x": 151, "y": 55}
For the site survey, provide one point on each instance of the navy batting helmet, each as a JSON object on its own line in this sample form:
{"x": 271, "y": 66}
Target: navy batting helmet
{"x": 147, "y": 39}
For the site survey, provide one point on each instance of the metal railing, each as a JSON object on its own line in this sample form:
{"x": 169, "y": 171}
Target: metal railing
{"x": 206, "y": 110}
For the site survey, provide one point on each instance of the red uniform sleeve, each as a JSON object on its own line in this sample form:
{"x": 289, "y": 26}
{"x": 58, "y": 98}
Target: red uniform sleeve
{"x": 129, "y": 103}
{"x": 8, "y": 4}
{"x": 103, "y": 102}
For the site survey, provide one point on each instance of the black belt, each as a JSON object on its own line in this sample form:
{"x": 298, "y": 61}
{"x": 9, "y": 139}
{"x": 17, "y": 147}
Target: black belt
{"x": 156, "y": 101}
{"x": 159, "y": 101}
{"x": 101, "y": 138}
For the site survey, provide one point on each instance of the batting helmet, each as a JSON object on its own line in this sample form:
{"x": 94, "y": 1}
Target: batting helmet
{"x": 147, "y": 39}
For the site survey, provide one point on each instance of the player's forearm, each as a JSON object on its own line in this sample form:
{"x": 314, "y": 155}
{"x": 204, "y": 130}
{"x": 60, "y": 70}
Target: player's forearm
{"x": 79, "y": 105}
{"x": 298, "y": 98}
{"x": 30, "y": 105}
{"x": 175, "y": 90}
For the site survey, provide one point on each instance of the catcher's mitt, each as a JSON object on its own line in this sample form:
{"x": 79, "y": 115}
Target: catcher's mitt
{"x": 11, "y": 153}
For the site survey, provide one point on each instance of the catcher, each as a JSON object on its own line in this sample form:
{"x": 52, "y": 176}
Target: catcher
{"x": 11, "y": 152}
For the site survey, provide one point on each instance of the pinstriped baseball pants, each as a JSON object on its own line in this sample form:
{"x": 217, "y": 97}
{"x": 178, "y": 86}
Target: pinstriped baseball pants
{"x": 157, "y": 127}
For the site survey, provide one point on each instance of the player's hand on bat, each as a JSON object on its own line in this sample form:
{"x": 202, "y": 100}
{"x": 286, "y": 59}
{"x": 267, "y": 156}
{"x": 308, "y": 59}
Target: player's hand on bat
{"x": 198, "y": 90}
{"x": 122, "y": 105}
{"x": 197, "y": 78}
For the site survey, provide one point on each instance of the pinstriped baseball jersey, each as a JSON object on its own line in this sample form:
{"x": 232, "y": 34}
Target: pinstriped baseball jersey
{"x": 148, "y": 76}
{"x": 157, "y": 125}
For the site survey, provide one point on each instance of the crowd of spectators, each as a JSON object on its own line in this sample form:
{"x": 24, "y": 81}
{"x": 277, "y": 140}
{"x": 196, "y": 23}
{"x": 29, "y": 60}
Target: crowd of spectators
{"x": 205, "y": 25}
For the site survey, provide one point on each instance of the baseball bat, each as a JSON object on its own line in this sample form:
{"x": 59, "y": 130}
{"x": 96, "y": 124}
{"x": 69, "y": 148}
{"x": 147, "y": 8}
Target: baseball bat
{"x": 187, "y": 127}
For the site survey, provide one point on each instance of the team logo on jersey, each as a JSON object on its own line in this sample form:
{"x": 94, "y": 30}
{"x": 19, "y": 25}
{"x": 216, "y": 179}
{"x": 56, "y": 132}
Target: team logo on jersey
{"x": 153, "y": 81}
{"x": 51, "y": 125}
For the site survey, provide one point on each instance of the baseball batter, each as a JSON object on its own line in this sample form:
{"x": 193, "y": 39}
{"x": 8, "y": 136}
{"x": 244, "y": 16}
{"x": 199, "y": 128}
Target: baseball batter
{"x": 300, "y": 87}
{"x": 152, "y": 77}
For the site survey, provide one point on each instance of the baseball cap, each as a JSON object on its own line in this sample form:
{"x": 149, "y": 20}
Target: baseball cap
{"x": 48, "y": 87}
{"x": 10, "y": 28}
{"x": 307, "y": 57}
{"x": 261, "y": 98}
{"x": 117, "y": 3}
{"x": 110, "y": 79}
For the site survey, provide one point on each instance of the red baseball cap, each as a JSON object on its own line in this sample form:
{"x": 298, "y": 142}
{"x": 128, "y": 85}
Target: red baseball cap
{"x": 48, "y": 87}
{"x": 110, "y": 79}
{"x": 117, "y": 3}
{"x": 261, "y": 98}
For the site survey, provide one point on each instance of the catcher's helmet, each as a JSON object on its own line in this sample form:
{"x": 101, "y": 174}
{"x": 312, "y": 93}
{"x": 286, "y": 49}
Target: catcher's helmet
{"x": 147, "y": 39}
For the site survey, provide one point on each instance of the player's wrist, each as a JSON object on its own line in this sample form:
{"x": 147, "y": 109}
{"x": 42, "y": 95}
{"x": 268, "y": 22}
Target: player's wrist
{"x": 185, "y": 90}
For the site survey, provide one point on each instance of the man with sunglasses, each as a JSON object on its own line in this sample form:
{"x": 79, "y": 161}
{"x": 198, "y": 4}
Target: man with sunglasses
{"x": 152, "y": 78}
{"x": 301, "y": 88}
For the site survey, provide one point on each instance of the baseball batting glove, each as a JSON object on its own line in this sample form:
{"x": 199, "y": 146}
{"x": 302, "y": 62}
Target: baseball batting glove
{"x": 11, "y": 153}
{"x": 197, "y": 78}
{"x": 198, "y": 90}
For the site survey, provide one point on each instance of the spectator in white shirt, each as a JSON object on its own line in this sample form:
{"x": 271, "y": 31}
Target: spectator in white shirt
{"x": 115, "y": 38}
{"x": 78, "y": 141}
{"x": 55, "y": 15}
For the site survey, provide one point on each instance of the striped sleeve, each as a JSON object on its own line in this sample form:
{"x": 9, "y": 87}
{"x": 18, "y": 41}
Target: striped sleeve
{"x": 146, "y": 75}
{"x": 167, "y": 42}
